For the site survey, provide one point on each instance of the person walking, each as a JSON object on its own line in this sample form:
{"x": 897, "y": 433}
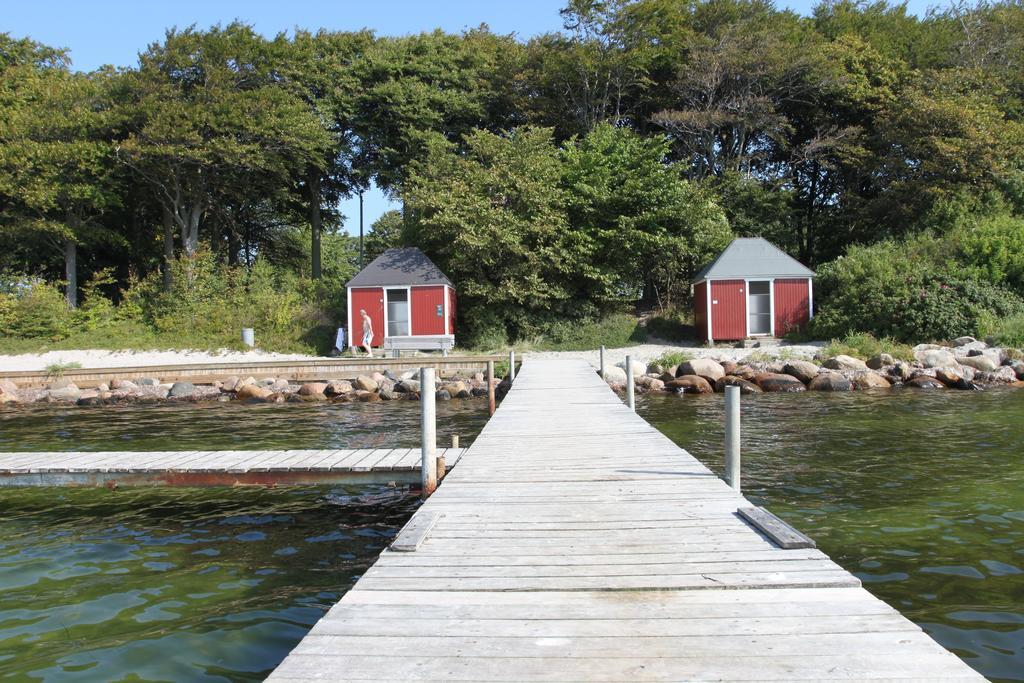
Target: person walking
{"x": 367, "y": 332}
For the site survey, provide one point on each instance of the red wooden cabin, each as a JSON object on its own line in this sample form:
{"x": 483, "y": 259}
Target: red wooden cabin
{"x": 753, "y": 289}
{"x": 411, "y": 303}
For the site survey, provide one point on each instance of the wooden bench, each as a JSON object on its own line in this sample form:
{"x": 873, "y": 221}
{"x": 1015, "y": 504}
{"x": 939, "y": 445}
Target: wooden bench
{"x": 438, "y": 342}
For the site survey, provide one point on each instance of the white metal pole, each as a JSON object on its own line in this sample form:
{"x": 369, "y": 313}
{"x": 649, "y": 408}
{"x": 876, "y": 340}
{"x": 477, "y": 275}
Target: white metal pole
{"x": 512, "y": 365}
{"x": 629, "y": 383}
{"x": 732, "y": 436}
{"x": 600, "y": 369}
{"x": 428, "y": 429}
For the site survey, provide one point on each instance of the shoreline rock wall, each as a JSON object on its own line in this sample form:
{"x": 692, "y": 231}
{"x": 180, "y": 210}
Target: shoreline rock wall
{"x": 373, "y": 387}
{"x": 968, "y": 365}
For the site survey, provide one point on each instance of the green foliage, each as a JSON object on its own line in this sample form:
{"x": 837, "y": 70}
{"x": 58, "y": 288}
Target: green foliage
{"x": 613, "y": 331}
{"x": 864, "y": 346}
{"x": 35, "y": 311}
{"x": 55, "y": 370}
{"x": 672, "y": 359}
{"x": 908, "y": 292}
{"x": 673, "y": 325}
{"x": 1006, "y": 332}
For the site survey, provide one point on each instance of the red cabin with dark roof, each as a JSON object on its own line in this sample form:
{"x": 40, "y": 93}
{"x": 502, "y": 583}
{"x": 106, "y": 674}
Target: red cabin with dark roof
{"x": 411, "y": 303}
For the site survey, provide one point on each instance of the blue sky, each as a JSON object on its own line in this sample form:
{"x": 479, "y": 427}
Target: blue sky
{"x": 102, "y": 32}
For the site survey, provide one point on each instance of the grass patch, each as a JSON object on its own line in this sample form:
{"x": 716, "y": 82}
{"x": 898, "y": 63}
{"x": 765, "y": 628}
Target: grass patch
{"x": 864, "y": 346}
{"x": 56, "y": 370}
{"x": 672, "y": 358}
{"x": 614, "y": 331}
{"x": 1005, "y": 331}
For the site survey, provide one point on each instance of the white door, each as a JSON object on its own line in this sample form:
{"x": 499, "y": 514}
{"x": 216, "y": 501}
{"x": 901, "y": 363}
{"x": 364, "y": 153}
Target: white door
{"x": 759, "y": 307}
{"x": 398, "y": 312}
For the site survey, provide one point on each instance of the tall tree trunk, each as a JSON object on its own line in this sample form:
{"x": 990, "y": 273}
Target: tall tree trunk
{"x": 71, "y": 271}
{"x": 168, "y": 249}
{"x": 315, "y": 222}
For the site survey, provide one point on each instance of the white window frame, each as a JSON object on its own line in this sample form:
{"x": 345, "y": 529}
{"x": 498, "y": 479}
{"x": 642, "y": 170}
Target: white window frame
{"x": 408, "y": 312}
{"x": 810, "y": 297}
{"x": 771, "y": 306}
{"x": 707, "y": 306}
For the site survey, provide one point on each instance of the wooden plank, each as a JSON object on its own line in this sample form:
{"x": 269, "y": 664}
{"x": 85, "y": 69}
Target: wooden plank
{"x": 415, "y": 532}
{"x": 782, "y": 534}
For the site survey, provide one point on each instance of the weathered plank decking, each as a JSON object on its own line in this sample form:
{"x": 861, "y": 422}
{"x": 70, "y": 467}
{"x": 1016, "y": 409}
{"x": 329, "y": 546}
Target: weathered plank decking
{"x": 574, "y": 542}
{"x": 217, "y": 468}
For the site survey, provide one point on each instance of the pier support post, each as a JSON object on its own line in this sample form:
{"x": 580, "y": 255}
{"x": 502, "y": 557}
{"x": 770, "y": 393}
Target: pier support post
{"x": 490, "y": 387}
{"x": 512, "y": 366}
{"x": 428, "y": 432}
{"x": 600, "y": 366}
{"x": 629, "y": 384}
{"x": 455, "y": 440}
{"x": 732, "y": 437}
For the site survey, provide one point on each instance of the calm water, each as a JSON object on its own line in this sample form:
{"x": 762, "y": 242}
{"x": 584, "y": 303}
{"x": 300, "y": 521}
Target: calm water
{"x": 177, "y": 584}
{"x": 190, "y": 584}
{"x": 920, "y": 494}
{"x": 234, "y": 426}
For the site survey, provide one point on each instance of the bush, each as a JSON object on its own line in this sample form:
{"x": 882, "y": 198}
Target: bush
{"x": 1004, "y": 331}
{"x": 864, "y": 346}
{"x": 672, "y": 359}
{"x": 613, "y": 331}
{"x": 674, "y": 325}
{"x": 905, "y": 292}
{"x": 36, "y": 310}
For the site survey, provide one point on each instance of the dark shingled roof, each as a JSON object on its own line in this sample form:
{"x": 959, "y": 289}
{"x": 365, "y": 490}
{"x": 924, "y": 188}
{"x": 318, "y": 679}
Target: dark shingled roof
{"x": 401, "y": 266}
{"x": 752, "y": 257}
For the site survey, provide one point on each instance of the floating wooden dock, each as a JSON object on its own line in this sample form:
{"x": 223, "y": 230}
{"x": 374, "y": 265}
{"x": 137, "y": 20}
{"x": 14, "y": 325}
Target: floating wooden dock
{"x": 574, "y": 542}
{"x": 217, "y": 468}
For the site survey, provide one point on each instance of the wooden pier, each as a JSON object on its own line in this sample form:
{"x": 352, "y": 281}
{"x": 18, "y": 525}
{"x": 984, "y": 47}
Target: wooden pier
{"x": 574, "y": 542}
{"x": 217, "y": 468}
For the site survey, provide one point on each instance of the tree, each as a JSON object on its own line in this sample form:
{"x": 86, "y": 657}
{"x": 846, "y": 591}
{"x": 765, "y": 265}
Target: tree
{"x": 55, "y": 154}
{"x": 206, "y": 115}
{"x": 385, "y": 233}
{"x": 493, "y": 218}
{"x": 642, "y": 230}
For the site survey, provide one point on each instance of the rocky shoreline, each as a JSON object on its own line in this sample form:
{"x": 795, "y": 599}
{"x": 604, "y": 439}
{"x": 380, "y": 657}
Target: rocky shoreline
{"x": 968, "y": 364}
{"x": 377, "y": 386}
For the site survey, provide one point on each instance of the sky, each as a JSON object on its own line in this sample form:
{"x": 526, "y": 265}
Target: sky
{"x": 100, "y": 32}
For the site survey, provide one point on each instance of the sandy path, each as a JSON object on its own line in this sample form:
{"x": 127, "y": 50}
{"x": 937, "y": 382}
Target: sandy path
{"x": 646, "y": 353}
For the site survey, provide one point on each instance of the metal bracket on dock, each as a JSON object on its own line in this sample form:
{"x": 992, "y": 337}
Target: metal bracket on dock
{"x": 782, "y": 534}
{"x": 415, "y": 531}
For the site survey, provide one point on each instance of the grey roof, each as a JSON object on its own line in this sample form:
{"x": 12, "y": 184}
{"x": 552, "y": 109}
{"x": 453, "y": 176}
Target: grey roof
{"x": 750, "y": 257}
{"x": 399, "y": 267}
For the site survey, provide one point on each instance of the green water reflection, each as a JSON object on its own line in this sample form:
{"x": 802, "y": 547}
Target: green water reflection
{"x": 919, "y": 494}
{"x": 177, "y": 584}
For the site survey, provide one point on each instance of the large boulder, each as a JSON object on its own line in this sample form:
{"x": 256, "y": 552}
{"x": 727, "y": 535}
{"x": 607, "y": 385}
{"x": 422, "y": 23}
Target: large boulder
{"x": 613, "y": 374}
{"x": 935, "y": 357}
{"x": 880, "y": 361}
{"x": 65, "y": 394}
{"x": 774, "y": 381}
{"x": 690, "y": 384}
{"x": 442, "y": 395}
{"x": 868, "y": 379}
{"x": 1018, "y": 367}
{"x": 925, "y": 382}
{"x": 253, "y": 392}
{"x": 9, "y": 392}
{"x": 650, "y": 383}
{"x": 803, "y": 370}
{"x": 843, "y": 362}
{"x": 981, "y": 363}
{"x": 338, "y": 387}
{"x": 964, "y": 341}
{"x": 746, "y": 386}
{"x": 950, "y": 376}
{"x": 409, "y": 386}
{"x": 122, "y": 385}
{"x": 830, "y": 381}
{"x": 181, "y": 390}
{"x": 148, "y": 382}
{"x": 364, "y": 383}
{"x": 702, "y": 367}
{"x": 745, "y": 371}
{"x": 313, "y": 389}
{"x": 1001, "y": 375}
